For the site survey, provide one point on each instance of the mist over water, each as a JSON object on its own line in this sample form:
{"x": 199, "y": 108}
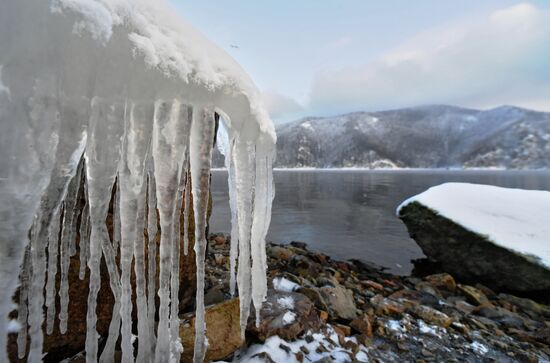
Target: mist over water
{"x": 351, "y": 213}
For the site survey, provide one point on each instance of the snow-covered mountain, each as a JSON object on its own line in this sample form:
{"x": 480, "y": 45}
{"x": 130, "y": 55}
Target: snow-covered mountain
{"x": 435, "y": 136}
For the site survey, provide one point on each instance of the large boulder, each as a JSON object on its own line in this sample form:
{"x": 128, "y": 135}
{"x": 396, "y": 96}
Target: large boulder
{"x": 483, "y": 234}
{"x": 222, "y": 330}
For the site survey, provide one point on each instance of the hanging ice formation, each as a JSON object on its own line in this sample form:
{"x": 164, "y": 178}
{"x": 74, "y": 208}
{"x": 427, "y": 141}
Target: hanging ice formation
{"x": 99, "y": 96}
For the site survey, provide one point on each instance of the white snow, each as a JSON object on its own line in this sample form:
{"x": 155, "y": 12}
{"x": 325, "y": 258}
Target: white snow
{"x": 167, "y": 42}
{"x": 328, "y": 339}
{"x": 307, "y": 125}
{"x": 13, "y": 326}
{"x": 478, "y": 348}
{"x": 283, "y": 284}
{"x": 289, "y": 317}
{"x": 429, "y": 329}
{"x": 287, "y": 302}
{"x": 395, "y": 326}
{"x": 515, "y": 219}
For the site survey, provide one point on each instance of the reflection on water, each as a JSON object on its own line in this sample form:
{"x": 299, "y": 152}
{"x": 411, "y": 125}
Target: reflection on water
{"x": 351, "y": 213}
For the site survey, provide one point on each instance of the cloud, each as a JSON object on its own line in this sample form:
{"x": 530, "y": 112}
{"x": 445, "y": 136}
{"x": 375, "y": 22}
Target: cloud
{"x": 279, "y": 105}
{"x": 502, "y": 58}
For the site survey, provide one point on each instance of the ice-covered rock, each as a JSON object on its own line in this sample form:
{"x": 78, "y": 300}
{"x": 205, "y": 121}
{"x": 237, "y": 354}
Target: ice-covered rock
{"x": 99, "y": 91}
{"x": 481, "y": 233}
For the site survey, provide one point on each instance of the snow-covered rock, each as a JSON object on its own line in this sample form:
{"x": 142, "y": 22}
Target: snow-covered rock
{"x": 98, "y": 91}
{"x": 497, "y": 236}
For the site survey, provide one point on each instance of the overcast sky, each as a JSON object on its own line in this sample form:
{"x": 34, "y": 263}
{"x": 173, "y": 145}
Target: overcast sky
{"x": 312, "y": 57}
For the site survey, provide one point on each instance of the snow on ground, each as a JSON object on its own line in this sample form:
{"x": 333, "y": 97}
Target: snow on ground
{"x": 282, "y": 351}
{"x": 286, "y": 302}
{"x": 289, "y": 317}
{"x": 282, "y": 284}
{"x": 516, "y": 219}
{"x": 307, "y": 125}
{"x": 478, "y": 348}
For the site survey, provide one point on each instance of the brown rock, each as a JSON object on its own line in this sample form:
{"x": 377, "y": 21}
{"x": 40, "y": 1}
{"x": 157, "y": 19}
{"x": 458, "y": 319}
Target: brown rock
{"x": 373, "y": 285}
{"x": 280, "y": 253}
{"x": 314, "y": 295}
{"x": 340, "y": 302}
{"x": 433, "y": 316}
{"x": 362, "y": 325}
{"x": 222, "y": 330}
{"x": 346, "y": 330}
{"x": 473, "y": 295}
{"x": 385, "y": 306}
{"x": 286, "y": 314}
{"x": 442, "y": 281}
{"x": 464, "y": 307}
{"x": 461, "y": 328}
{"x": 220, "y": 259}
{"x": 529, "y": 306}
{"x": 220, "y": 240}
{"x": 428, "y": 288}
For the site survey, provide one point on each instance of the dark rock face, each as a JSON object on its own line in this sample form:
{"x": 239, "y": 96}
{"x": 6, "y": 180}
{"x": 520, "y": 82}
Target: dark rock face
{"x": 471, "y": 257}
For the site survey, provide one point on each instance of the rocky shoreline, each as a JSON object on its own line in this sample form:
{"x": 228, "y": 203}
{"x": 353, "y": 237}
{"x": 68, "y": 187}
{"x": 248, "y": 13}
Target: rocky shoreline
{"x": 319, "y": 309}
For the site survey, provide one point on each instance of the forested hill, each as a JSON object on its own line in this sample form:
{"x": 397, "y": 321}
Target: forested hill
{"x": 421, "y": 137}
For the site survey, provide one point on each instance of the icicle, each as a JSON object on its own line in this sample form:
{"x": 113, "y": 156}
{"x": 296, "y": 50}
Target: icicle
{"x": 65, "y": 258}
{"x": 36, "y": 296}
{"x": 234, "y": 248}
{"x": 168, "y": 150}
{"x": 70, "y": 143}
{"x": 244, "y": 175}
{"x": 53, "y": 250}
{"x": 101, "y": 166}
{"x": 75, "y": 210}
{"x": 262, "y": 211}
{"x": 144, "y": 338}
{"x": 84, "y": 246}
{"x": 151, "y": 255}
{"x": 202, "y": 135}
{"x": 175, "y": 344}
{"x": 126, "y": 214}
{"x": 185, "y": 118}
{"x": 23, "y": 310}
{"x": 142, "y": 117}
{"x": 130, "y": 186}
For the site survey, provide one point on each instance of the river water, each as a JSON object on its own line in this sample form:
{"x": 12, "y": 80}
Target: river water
{"x": 351, "y": 213}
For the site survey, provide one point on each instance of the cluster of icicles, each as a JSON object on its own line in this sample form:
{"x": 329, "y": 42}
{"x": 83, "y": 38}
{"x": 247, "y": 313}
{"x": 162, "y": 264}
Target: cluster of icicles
{"x": 156, "y": 159}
